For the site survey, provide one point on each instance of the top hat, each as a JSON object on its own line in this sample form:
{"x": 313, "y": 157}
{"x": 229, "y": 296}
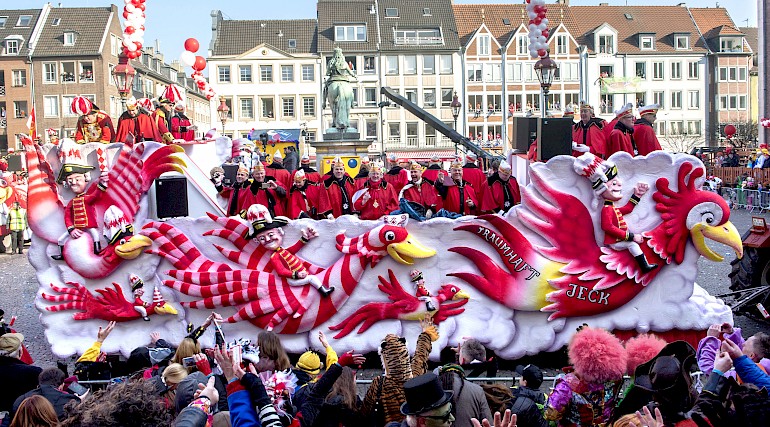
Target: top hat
{"x": 668, "y": 369}
{"x": 424, "y": 393}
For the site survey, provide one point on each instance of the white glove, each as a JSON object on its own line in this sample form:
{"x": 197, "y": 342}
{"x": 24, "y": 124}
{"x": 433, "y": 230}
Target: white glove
{"x": 428, "y": 214}
{"x": 582, "y": 148}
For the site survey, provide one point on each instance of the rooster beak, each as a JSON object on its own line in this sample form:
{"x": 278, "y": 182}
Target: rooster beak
{"x": 725, "y": 233}
{"x": 406, "y": 251}
{"x": 461, "y": 295}
{"x": 133, "y": 247}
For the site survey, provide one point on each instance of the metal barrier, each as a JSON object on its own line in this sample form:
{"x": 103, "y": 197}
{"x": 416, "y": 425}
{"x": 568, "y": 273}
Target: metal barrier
{"x": 751, "y": 200}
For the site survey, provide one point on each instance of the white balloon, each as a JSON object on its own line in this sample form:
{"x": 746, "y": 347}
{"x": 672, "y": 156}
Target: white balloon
{"x": 537, "y": 32}
{"x": 544, "y": 22}
{"x": 139, "y": 33}
{"x": 130, "y": 8}
{"x": 541, "y": 39}
{"x": 126, "y": 40}
{"x": 532, "y": 27}
{"x": 187, "y": 58}
{"x": 127, "y": 2}
{"x": 131, "y": 47}
{"x": 138, "y": 39}
{"x": 532, "y": 15}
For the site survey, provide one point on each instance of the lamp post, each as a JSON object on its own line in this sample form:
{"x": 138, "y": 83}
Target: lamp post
{"x": 223, "y": 110}
{"x": 456, "y": 105}
{"x": 545, "y": 68}
{"x": 123, "y": 74}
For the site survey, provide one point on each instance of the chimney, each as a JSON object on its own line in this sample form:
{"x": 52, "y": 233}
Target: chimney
{"x": 682, "y": 4}
{"x": 604, "y": 4}
{"x": 564, "y": 2}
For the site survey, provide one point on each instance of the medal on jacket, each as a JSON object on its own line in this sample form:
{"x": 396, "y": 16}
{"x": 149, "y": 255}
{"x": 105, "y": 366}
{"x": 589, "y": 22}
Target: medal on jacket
{"x": 345, "y": 206}
{"x": 507, "y": 204}
{"x": 376, "y": 205}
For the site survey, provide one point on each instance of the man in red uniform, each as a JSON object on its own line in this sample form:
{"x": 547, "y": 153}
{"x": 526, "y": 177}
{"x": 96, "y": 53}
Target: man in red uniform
{"x": 181, "y": 126}
{"x": 474, "y": 175}
{"x": 307, "y": 199}
{"x": 459, "y": 196}
{"x": 277, "y": 170}
{"x": 421, "y": 292}
{"x": 377, "y": 197}
{"x": 420, "y": 190}
{"x": 266, "y": 190}
{"x": 621, "y": 138}
{"x": 93, "y": 125}
{"x": 311, "y": 174}
{"x": 238, "y": 193}
{"x": 162, "y": 117}
{"x": 503, "y": 191}
{"x": 133, "y": 121}
{"x": 340, "y": 189}
{"x": 588, "y": 131}
{"x": 363, "y": 172}
{"x": 434, "y": 167}
{"x": 644, "y": 135}
{"x": 397, "y": 176}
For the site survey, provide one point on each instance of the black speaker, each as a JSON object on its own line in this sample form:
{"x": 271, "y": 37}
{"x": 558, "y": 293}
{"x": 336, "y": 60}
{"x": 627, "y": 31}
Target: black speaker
{"x": 230, "y": 171}
{"x": 524, "y": 133}
{"x": 171, "y": 196}
{"x": 554, "y": 138}
{"x": 14, "y": 163}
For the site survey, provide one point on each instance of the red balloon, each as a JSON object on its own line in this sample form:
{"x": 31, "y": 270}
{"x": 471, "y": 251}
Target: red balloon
{"x": 200, "y": 63}
{"x": 141, "y": 7}
{"x": 138, "y": 46}
{"x": 129, "y": 30}
{"x": 541, "y": 52}
{"x": 730, "y": 131}
{"x": 192, "y": 45}
{"x": 125, "y": 14}
{"x": 537, "y": 20}
{"x": 545, "y": 33}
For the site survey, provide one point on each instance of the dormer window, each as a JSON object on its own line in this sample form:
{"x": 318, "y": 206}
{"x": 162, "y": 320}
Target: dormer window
{"x": 426, "y": 11}
{"x": 681, "y": 41}
{"x": 11, "y": 46}
{"x": 24, "y": 21}
{"x": 646, "y": 42}
{"x": 730, "y": 44}
{"x": 69, "y": 38}
{"x": 56, "y": 22}
{"x": 350, "y": 33}
{"x": 292, "y": 43}
{"x": 3, "y": 20}
{"x": 391, "y": 12}
{"x": 607, "y": 44}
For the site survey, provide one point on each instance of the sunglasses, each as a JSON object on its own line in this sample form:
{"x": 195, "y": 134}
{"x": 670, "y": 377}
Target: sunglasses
{"x": 444, "y": 418}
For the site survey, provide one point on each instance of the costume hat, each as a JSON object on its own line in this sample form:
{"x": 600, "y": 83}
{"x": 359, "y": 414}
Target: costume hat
{"x": 424, "y": 393}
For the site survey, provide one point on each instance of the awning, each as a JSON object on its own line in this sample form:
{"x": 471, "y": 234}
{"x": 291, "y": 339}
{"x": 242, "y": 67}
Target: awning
{"x": 425, "y": 155}
{"x": 276, "y": 135}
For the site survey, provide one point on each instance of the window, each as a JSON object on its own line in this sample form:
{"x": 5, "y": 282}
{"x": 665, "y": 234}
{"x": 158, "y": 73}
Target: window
{"x": 676, "y": 99}
{"x": 411, "y": 133}
{"x": 660, "y": 127}
{"x": 66, "y": 105}
{"x": 647, "y": 42}
{"x": 244, "y": 71}
{"x": 515, "y": 74}
{"x": 606, "y": 44}
{"x": 308, "y": 106}
{"x": 425, "y": 11}
{"x": 114, "y": 46}
{"x": 266, "y": 73}
{"x": 3, "y": 20}
{"x": 484, "y": 45}
{"x": 429, "y": 97}
{"x": 641, "y": 70}
{"x": 561, "y": 44}
{"x": 733, "y": 102}
{"x": 474, "y": 72}
{"x": 51, "y": 106}
{"x": 606, "y": 71}
{"x": 266, "y": 108}
{"x": 87, "y": 72}
{"x": 350, "y": 33}
{"x": 429, "y": 64}
{"x": 741, "y": 74}
{"x": 391, "y": 63}
{"x": 658, "y": 98}
{"x": 693, "y": 127}
{"x": 20, "y": 109}
{"x": 676, "y": 127}
{"x": 370, "y": 65}
{"x": 411, "y": 95}
{"x": 491, "y": 72}
{"x": 522, "y": 45}
{"x": 19, "y": 78}
{"x": 732, "y": 74}
{"x": 308, "y": 72}
{"x": 24, "y": 21}
{"x": 11, "y": 47}
{"x": 292, "y": 43}
{"x": 287, "y": 106}
{"x": 730, "y": 45}
{"x": 445, "y": 64}
{"x": 657, "y": 71}
{"x": 722, "y": 74}
{"x": 246, "y": 108}
{"x": 287, "y": 73}
{"x": 682, "y": 42}
{"x": 370, "y": 97}
{"x": 418, "y": 37}
{"x": 56, "y": 22}
{"x": 447, "y": 96}
{"x": 49, "y": 73}
{"x": 693, "y": 99}
{"x": 391, "y": 12}
{"x": 69, "y": 38}
{"x": 223, "y": 73}
{"x": 371, "y": 129}
{"x": 676, "y": 70}
{"x": 410, "y": 64}
{"x": 693, "y": 70}
{"x": 742, "y": 102}
{"x": 394, "y": 131}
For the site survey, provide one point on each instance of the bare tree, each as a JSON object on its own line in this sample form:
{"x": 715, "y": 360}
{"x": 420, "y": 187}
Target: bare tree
{"x": 681, "y": 142}
{"x": 746, "y": 134}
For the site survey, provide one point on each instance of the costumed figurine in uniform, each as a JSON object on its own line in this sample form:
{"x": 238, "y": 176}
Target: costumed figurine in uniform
{"x": 607, "y": 185}
{"x": 434, "y": 167}
{"x": 93, "y": 125}
{"x": 589, "y": 131}
{"x": 135, "y": 122}
{"x": 340, "y": 189}
{"x": 137, "y": 288}
{"x": 277, "y": 171}
{"x": 268, "y": 232}
{"x": 377, "y": 196}
{"x": 421, "y": 292}
{"x": 266, "y": 190}
{"x": 238, "y": 194}
{"x": 421, "y": 191}
{"x": 181, "y": 126}
{"x": 644, "y": 134}
{"x": 306, "y": 199}
{"x": 458, "y": 196}
{"x": 503, "y": 191}
{"x": 621, "y": 137}
{"x": 79, "y": 214}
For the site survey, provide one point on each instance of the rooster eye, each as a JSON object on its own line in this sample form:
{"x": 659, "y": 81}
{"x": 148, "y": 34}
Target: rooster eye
{"x": 454, "y": 290}
{"x": 390, "y": 236}
{"x": 122, "y": 241}
{"x": 708, "y": 218}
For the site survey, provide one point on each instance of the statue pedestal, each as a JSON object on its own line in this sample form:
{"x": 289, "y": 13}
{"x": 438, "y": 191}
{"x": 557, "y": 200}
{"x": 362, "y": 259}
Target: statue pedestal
{"x": 341, "y": 144}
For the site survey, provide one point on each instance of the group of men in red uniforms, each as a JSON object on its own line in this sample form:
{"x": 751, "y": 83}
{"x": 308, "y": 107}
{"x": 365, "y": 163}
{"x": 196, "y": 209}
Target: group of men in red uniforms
{"x": 375, "y": 192}
{"x": 623, "y": 133}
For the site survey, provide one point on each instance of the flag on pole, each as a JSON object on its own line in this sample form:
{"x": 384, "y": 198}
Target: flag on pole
{"x": 32, "y": 124}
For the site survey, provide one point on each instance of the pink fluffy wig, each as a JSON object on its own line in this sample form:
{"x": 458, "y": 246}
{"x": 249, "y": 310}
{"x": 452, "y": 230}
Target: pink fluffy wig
{"x": 597, "y": 355}
{"x": 641, "y": 349}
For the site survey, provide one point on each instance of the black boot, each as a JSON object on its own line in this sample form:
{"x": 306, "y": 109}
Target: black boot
{"x": 61, "y": 254}
{"x": 429, "y": 306}
{"x": 97, "y": 248}
{"x": 324, "y": 291}
{"x": 642, "y": 261}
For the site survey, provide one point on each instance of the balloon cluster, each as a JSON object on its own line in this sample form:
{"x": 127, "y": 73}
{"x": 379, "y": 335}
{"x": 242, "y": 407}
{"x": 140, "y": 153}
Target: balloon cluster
{"x": 765, "y": 122}
{"x": 198, "y": 64}
{"x": 133, "y": 33}
{"x": 538, "y": 28}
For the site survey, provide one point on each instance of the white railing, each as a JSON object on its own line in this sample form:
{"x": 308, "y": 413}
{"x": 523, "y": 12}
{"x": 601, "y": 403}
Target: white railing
{"x": 419, "y": 41}
{"x": 416, "y": 143}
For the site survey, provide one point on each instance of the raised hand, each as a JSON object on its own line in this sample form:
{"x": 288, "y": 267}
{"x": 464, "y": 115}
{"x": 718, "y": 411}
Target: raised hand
{"x": 104, "y": 333}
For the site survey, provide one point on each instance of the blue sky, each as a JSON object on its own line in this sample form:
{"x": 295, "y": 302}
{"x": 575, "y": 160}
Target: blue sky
{"x": 173, "y": 21}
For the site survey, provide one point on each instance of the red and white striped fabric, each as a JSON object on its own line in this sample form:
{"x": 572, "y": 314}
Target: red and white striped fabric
{"x": 81, "y": 106}
{"x": 173, "y": 94}
{"x": 146, "y": 103}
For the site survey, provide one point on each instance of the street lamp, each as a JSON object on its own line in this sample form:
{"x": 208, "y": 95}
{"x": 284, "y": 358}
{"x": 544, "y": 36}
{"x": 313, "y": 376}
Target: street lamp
{"x": 546, "y": 70}
{"x": 456, "y": 105}
{"x": 123, "y": 75}
{"x": 223, "y": 111}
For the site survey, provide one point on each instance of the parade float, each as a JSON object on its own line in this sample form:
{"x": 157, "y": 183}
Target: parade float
{"x": 520, "y": 282}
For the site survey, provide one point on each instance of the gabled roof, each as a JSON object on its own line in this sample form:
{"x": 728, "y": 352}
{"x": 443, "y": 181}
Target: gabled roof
{"x": 10, "y": 29}
{"x": 90, "y": 23}
{"x": 752, "y": 37}
{"x": 714, "y": 22}
{"x": 236, "y": 37}
{"x": 503, "y": 20}
{"x": 332, "y": 12}
{"x": 630, "y": 21}
{"x": 411, "y": 15}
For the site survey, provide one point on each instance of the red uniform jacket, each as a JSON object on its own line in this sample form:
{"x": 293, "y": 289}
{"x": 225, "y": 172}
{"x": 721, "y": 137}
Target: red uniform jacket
{"x": 280, "y": 173}
{"x": 620, "y": 140}
{"x": 398, "y": 177}
{"x": 361, "y": 177}
{"x": 645, "y": 138}
{"x": 310, "y": 199}
{"x": 159, "y": 117}
{"x": 142, "y": 127}
{"x": 613, "y": 224}
{"x": 421, "y": 291}
{"x": 609, "y": 126}
{"x": 454, "y": 198}
{"x": 286, "y": 264}
{"x": 80, "y": 212}
{"x": 383, "y": 200}
{"x": 311, "y": 174}
{"x": 592, "y": 135}
{"x": 431, "y": 173}
{"x": 424, "y": 193}
{"x": 340, "y": 193}
{"x": 500, "y": 195}
{"x": 273, "y": 200}
{"x": 99, "y": 131}
{"x": 475, "y": 177}
{"x": 237, "y": 196}
{"x": 179, "y": 127}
